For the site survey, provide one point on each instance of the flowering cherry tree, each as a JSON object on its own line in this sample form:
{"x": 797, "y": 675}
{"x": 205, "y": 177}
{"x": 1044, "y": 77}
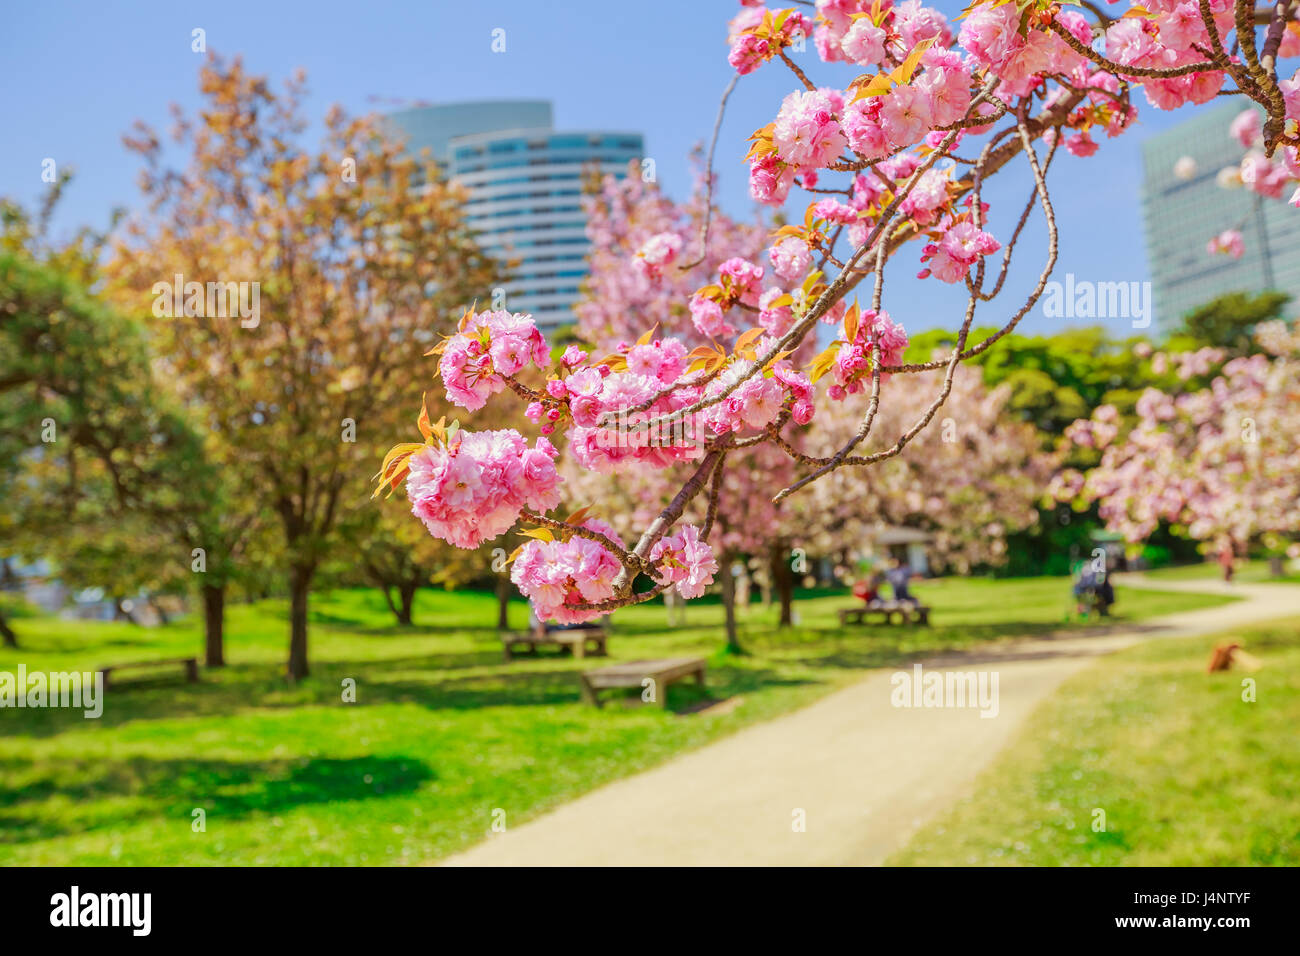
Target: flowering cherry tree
{"x": 970, "y": 481}
{"x": 1221, "y": 462}
{"x": 896, "y": 159}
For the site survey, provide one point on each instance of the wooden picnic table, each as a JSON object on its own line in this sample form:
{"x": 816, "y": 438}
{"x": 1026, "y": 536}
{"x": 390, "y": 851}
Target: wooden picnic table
{"x": 889, "y": 612}
{"x": 191, "y": 665}
{"x": 636, "y": 673}
{"x": 571, "y": 640}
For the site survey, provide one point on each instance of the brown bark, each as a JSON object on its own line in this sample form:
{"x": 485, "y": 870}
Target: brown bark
{"x": 7, "y": 633}
{"x": 214, "y": 622}
{"x": 782, "y": 582}
{"x": 299, "y": 590}
{"x": 729, "y": 606}
{"x": 407, "y": 594}
{"x": 503, "y": 602}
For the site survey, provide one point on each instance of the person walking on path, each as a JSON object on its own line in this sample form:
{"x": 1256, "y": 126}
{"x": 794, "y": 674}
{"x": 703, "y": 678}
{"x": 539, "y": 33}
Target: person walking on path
{"x": 1226, "y": 561}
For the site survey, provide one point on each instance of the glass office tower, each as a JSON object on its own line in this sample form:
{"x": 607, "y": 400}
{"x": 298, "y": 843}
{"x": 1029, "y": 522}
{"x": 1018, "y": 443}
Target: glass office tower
{"x": 1183, "y": 214}
{"x": 524, "y": 181}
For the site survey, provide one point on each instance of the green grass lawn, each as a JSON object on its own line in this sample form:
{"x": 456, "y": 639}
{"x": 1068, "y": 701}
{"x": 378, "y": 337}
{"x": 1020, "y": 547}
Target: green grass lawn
{"x": 442, "y": 732}
{"x": 1254, "y": 572}
{"x": 1187, "y": 772}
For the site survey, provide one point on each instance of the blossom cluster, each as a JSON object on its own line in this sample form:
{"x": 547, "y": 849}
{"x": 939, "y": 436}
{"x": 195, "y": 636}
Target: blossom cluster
{"x": 487, "y": 348}
{"x": 960, "y": 245}
{"x": 1220, "y": 462}
{"x": 685, "y": 561}
{"x": 739, "y": 281}
{"x": 1269, "y": 178}
{"x": 557, "y": 574}
{"x": 852, "y": 361}
{"x": 756, "y": 401}
{"x": 658, "y": 253}
{"x": 473, "y": 488}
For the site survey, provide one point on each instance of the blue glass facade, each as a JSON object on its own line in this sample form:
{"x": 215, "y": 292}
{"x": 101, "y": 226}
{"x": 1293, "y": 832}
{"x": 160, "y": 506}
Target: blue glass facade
{"x": 524, "y": 182}
{"x": 1183, "y": 214}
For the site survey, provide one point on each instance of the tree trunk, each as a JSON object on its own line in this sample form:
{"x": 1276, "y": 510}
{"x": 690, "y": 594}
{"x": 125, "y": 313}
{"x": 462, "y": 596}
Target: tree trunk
{"x": 1275, "y": 566}
{"x": 503, "y": 602}
{"x": 387, "y": 592}
{"x": 122, "y": 614}
{"x": 729, "y": 607}
{"x": 299, "y": 589}
{"x": 7, "y": 578}
{"x": 407, "y": 593}
{"x": 782, "y": 582}
{"x": 214, "y": 622}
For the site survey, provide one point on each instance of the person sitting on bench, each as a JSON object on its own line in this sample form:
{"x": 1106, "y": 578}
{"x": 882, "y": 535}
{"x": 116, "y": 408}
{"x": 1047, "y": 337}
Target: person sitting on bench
{"x": 898, "y": 577}
{"x": 867, "y": 590}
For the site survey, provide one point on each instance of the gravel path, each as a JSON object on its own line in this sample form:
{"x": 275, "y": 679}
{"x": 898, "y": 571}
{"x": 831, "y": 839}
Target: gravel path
{"x": 863, "y": 774}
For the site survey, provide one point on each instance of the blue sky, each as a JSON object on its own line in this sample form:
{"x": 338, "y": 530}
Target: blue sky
{"x": 77, "y": 74}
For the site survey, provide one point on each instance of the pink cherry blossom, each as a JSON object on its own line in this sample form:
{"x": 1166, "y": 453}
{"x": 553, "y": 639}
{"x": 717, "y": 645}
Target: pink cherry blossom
{"x": 488, "y": 347}
{"x": 864, "y": 43}
{"x": 684, "y": 561}
{"x": 807, "y": 132}
{"x": 905, "y": 115}
{"x": 1247, "y": 128}
{"x": 791, "y": 259}
{"x": 473, "y": 489}
{"x": 1228, "y": 243}
{"x": 658, "y": 252}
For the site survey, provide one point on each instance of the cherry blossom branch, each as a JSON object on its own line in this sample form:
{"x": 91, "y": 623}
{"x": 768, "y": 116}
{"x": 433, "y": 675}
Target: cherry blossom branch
{"x": 708, "y": 176}
{"x": 1040, "y": 188}
{"x": 840, "y": 458}
{"x": 808, "y": 84}
{"x": 614, "y": 603}
{"x": 843, "y": 283}
{"x": 715, "y": 495}
{"x": 666, "y": 518}
{"x": 1020, "y": 225}
{"x": 1273, "y": 39}
{"x": 630, "y": 561}
{"x": 1120, "y": 69}
{"x": 1218, "y": 54}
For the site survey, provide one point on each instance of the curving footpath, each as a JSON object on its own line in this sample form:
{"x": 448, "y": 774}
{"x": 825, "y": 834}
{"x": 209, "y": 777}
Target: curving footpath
{"x": 865, "y": 774}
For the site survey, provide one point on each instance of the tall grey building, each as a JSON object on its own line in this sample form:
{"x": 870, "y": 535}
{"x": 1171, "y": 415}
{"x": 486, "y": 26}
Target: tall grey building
{"x": 1183, "y": 214}
{"x": 524, "y": 181}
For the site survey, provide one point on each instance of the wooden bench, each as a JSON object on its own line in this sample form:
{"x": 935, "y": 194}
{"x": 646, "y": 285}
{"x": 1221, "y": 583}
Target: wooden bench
{"x": 191, "y": 665}
{"x": 636, "y": 673}
{"x": 889, "y": 612}
{"x": 570, "y": 640}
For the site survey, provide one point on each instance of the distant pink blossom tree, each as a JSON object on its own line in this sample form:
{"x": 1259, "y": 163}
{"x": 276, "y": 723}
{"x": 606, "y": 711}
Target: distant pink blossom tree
{"x": 970, "y": 479}
{"x": 1221, "y": 463}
